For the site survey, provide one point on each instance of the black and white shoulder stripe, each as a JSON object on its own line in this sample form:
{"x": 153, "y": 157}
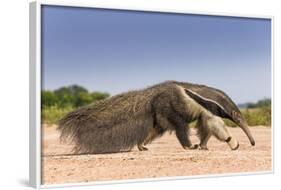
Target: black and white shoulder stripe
{"x": 211, "y": 105}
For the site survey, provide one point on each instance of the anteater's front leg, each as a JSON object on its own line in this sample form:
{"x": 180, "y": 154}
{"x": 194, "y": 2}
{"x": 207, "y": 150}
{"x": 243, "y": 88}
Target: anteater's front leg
{"x": 220, "y": 131}
{"x": 182, "y": 134}
{"x": 203, "y": 133}
{"x": 204, "y": 141}
{"x": 182, "y": 131}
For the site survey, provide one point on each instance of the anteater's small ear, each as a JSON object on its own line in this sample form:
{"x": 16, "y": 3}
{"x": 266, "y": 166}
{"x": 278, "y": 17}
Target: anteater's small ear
{"x": 210, "y": 105}
{"x": 234, "y": 114}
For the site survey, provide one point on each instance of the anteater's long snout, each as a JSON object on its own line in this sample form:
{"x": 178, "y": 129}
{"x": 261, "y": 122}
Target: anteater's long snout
{"x": 247, "y": 131}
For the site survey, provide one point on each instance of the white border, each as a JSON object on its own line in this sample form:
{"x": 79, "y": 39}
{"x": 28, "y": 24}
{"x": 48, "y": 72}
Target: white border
{"x": 103, "y": 5}
{"x": 35, "y": 95}
{"x": 272, "y": 97}
{"x": 143, "y": 180}
{"x": 35, "y": 90}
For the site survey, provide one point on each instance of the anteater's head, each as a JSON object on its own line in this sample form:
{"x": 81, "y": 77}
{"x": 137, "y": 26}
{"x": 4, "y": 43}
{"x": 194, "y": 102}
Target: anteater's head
{"x": 218, "y": 103}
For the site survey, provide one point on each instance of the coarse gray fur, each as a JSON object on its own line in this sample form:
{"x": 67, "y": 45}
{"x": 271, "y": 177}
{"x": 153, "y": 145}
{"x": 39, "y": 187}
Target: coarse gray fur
{"x": 137, "y": 117}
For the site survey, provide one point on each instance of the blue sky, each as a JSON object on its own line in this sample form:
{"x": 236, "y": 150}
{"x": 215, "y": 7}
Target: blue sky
{"x": 115, "y": 51}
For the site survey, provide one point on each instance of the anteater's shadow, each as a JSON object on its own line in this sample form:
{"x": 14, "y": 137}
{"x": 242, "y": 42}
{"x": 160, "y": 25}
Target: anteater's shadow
{"x": 80, "y": 154}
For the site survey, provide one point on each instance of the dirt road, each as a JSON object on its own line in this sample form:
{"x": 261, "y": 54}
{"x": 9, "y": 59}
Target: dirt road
{"x": 164, "y": 158}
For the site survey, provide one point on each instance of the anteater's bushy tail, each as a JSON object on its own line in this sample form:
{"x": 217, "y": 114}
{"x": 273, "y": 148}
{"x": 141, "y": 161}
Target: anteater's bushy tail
{"x": 68, "y": 126}
{"x": 95, "y": 135}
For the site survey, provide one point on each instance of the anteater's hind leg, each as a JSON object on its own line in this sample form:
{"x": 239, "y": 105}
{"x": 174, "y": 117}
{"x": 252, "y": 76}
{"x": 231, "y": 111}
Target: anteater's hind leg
{"x": 161, "y": 124}
{"x": 152, "y": 134}
{"x": 141, "y": 147}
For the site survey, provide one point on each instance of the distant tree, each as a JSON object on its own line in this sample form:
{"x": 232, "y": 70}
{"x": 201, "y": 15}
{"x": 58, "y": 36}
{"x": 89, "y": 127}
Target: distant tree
{"x": 251, "y": 105}
{"x": 261, "y": 103}
{"x": 99, "y": 95}
{"x": 82, "y": 99}
{"x": 72, "y": 90}
{"x": 68, "y": 96}
{"x": 264, "y": 103}
{"x": 71, "y": 96}
{"x": 48, "y": 98}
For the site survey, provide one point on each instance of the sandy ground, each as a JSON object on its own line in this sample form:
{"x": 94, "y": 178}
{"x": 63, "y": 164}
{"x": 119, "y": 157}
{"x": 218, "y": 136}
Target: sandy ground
{"x": 165, "y": 158}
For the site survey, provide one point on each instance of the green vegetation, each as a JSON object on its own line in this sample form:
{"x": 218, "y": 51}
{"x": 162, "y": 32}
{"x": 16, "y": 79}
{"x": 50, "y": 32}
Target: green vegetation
{"x": 55, "y": 104}
{"x": 256, "y": 113}
{"x": 264, "y": 103}
{"x": 258, "y": 116}
{"x": 51, "y": 114}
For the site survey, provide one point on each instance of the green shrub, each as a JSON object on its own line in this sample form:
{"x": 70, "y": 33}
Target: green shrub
{"x": 261, "y": 103}
{"x": 48, "y": 98}
{"x": 258, "y": 116}
{"x": 71, "y": 96}
{"x": 51, "y": 114}
{"x": 55, "y": 104}
{"x": 254, "y": 116}
{"x": 99, "y": 95}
